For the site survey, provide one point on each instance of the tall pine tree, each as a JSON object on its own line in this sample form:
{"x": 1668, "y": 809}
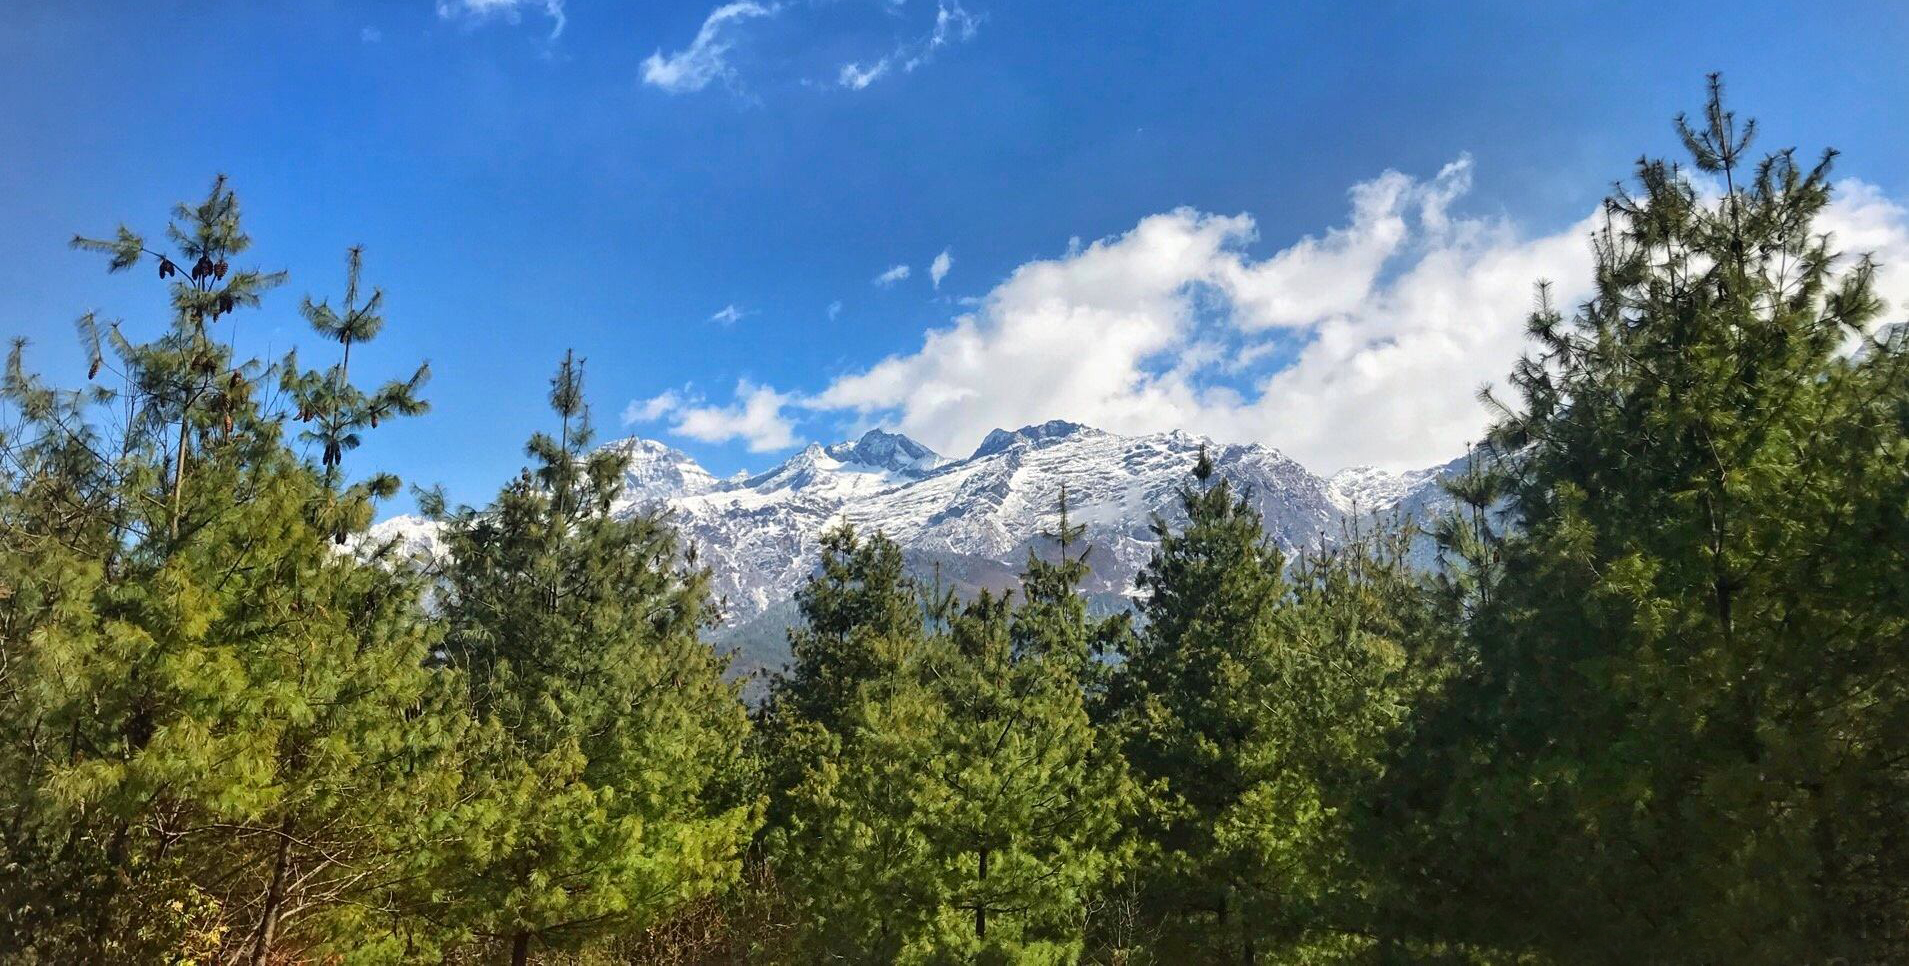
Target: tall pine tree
{"x": 1680, "y": 736}
{"x": 607, "y": 741}
{"x": 223, "y": 730}
{"x": 968, "y": 811}
{"x": 1255, "y": 705}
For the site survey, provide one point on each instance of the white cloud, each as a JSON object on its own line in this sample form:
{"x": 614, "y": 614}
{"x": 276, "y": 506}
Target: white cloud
{"x": 891, "y": 276}
{"x": 654, "y": 408}
{"x": 370, "y": 35}
{"x": 510, "y": 11}
{"x": 756, "y": 416}
{"x": 1364, "y": 345}
{"x": 835, "y": 309}
{"x": 704, "y": 61}
{"x": 953, "y": 24}
{"x": 938, "y": 269}
{"x": 729, "y": 315}
{"x": 856, "y": 77}
{"x": 1861, "y": 220}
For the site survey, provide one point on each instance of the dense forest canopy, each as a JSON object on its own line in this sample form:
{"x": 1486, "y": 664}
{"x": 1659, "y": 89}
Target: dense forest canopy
{"x": 1650, "y": 705}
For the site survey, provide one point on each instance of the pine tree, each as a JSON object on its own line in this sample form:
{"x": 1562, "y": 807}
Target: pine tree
{"x": 339, "y": 412}
{"x": 1185, "y": 698}
{"x": 225, "y": 726}
{"x": 968, "y": 811}
{"x": 860, "y": 614}
{"x": 1674, "y": 743}
{"x": 607, "y": 736}
{"x": 1256, "y": 705}
{"x": 863, "y": 621}
{"x": 848, "y": 845}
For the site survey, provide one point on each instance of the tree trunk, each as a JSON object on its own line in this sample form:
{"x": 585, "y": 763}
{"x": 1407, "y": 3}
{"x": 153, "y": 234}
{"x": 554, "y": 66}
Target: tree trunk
{"x": 520, "y": 949}
{"x": 274, "y": 898}
{"x": 981, "y": 901}
{"x": 179, "y": 472}
{"x": 103, "y": 903}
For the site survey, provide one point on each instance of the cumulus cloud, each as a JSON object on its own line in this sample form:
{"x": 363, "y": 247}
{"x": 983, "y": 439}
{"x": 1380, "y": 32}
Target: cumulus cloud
{"x": 1862, "y": 219}
{"x": 953, "y": 24}
{"x": 756, "y": 416}
{"x": 654, "y": 408}
{"x": 891, "y": 276}
{"x": 938, "y": 269}
{"x": 705, "y": 60}
{"x": 728, "y": 315}
{"x": 510, "y": 11}
{"x": 1362, "y": 345}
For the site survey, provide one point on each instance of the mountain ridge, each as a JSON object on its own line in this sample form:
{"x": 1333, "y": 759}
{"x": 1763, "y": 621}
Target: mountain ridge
{"x": 972, "y": 520}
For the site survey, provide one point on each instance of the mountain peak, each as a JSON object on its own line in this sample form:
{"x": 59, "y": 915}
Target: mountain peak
{"x": 656, "y": 471}
{"x": 889, "y": 451}
{"x": 1033, "y": 435}
{"x": 1369, "y": 488}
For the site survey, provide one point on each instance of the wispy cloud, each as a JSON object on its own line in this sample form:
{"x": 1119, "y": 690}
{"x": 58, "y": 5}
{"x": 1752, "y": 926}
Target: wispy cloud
{"x": 938, "y": 269}
{"x": 891, "y": 276}
{"x": 856, "y": 76}
{"x": 705, "y": 60}
{"x": 729, "y": 315}
{"x": 370, "y": 35}
{"x": 953, "y": 24}
{"x": 509, "y": 11}
{"x": 835, "y": 309}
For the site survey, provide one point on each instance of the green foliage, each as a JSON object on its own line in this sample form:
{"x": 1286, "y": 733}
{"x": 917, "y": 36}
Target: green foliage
{"x": 1651, "y": 706}
{"x": 1679, "y": 735}
{"x": 222, "y": 730}
{"x": 961, "y": 807}
{"x": 862, "y": 623}
{"x": 1256, "y": 701}
{"x": 861, "y": 615}
{"x": 338, "y": 412}
{"x": 594, "y": 795}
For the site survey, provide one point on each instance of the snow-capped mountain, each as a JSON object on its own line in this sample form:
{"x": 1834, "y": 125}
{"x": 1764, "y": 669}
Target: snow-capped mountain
{"x": 658, "y": 473}
{"x": 973, "y": 520}
{"x": 976, "y": 517}
{"x": 1365, "y": 488}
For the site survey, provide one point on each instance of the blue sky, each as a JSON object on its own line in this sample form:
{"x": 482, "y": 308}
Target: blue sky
{"x": 1308, "y": 225}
